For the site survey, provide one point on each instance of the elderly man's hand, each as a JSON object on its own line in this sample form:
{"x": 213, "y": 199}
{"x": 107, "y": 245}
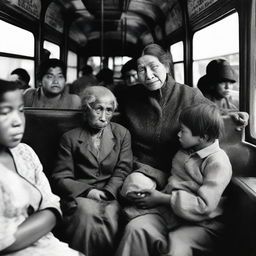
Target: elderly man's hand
{"x": 241, "y": 118}
{"x": 97, "y": 194}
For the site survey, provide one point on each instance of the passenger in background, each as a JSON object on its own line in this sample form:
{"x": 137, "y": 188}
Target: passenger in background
{"x": 106, "y": 79}
{"x": 93, "y": 160}
{"x": 87, "y": 79}
{"x": 217, "y": 82}
{"x": 130, "y": 78}
{"x": 129, "y": 73}
{"x": 45, "y": 55}
{"x": 52, "y": 92}
{"x": 22, "y": 76}
{"x": 28, "y": 208}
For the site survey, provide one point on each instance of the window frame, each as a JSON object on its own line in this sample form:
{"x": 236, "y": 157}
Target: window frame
{"x": 20, "y": 24}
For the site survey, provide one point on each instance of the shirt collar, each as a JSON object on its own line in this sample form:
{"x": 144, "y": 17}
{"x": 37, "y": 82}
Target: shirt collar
{"x": 214, "y": 147}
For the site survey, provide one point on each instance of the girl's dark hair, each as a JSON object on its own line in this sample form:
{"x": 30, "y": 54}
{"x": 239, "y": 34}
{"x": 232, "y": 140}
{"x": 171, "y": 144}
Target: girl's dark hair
{"x": 203, "y": 120}
{"x": 8, "y": 86}
{"x": 164, "y": 57}
{"x": 51, "y": 63}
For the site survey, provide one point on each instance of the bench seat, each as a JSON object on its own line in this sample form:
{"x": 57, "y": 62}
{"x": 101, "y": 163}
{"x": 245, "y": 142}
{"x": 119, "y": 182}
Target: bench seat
{"x": 45, "y": 127}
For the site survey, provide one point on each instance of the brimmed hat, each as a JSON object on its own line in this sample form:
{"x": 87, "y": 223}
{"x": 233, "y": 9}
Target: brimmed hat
{"x": 220, "y": 70}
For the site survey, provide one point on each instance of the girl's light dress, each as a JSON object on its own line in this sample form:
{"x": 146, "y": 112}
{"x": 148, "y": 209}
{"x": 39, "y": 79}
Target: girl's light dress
{"x": 23, "y": 193}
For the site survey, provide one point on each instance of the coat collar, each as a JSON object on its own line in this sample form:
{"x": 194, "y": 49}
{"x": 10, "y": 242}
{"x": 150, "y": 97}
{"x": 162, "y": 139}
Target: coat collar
{"x": 107, "y": 142}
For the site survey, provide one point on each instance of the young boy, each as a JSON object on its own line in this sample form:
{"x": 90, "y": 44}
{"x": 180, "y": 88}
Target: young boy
{"x": 200, "y": 173}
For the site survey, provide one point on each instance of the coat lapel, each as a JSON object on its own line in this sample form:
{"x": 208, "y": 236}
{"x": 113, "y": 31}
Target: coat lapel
{"x": 85, "y": 139}
{"x": 107, "y": 143}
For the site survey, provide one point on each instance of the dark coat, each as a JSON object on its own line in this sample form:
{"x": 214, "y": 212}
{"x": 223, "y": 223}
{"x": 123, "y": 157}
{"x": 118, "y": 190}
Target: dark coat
{"x": 79, "y": 169}
{"x": 152, "y": 117}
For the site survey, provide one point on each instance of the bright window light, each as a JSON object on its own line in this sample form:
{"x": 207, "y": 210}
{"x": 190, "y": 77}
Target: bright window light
{"x": 177, "y": 52}
{"x": 54, "y": 49}
{"x": 16, "y": 40}
{"x": 219, "y": 39}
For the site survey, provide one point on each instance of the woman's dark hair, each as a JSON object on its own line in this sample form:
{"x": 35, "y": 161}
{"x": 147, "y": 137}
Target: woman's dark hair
{"x": 8, "y": 86}
{"x": 164, "y": 57}
{"x": 129, "y": 65}
{"x": 203, "y": 120}
{"x": 22, "y": 74}
{"x": 51, "y": 63}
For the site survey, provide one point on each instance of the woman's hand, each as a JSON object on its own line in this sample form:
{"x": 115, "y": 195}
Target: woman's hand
{"x": 241, "y": 118}
{"x": 150, "y": 198}
{"x": 97, "y": 194}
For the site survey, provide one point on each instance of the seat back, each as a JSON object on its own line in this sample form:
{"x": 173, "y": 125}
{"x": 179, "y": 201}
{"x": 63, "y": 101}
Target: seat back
{"x": 45, "y": 127}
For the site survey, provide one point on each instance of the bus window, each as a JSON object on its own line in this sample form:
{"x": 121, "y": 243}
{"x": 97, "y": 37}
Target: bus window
{"x": 116, "y": 64}
{"x": 219, "y": 40}
{"x": 16, "y": 50}
{"x": 54, "y": 49}
{"x": 178, "y": 61}
{"x": 71, "y": 67}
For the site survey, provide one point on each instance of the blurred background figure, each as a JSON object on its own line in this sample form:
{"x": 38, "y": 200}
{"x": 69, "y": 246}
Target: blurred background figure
{"x": 216, "y": 85}
{"x": 45, "y": 55}
{"x": 130, "y": 78}
{"x": 87, "y": 79}
{"x": 129, "y": 73}
{"x": 22, "y": 76}
{"x": 106, "y": 78}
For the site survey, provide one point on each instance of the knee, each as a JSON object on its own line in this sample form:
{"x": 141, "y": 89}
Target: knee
{"x": 86, "y": 207}
{"x": 139, "y": 229}
{"x": 134, "y": 227}
{"x": 178, "y": 247}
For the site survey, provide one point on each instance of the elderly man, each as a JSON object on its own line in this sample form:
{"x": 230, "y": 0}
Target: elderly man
{"x": 93, "y": 161}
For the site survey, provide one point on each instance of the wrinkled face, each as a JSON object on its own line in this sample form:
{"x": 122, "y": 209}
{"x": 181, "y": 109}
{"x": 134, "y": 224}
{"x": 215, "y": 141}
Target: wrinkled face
{"x": 12, "y": 119}
{"x": 131, "y": 77}
{"x": 53, "y": 82}
{"x": 187, "y": 140}
{"x": 151, "y": 72}
{"x": 223, "y": 89}
{"x": 100, "y": 113}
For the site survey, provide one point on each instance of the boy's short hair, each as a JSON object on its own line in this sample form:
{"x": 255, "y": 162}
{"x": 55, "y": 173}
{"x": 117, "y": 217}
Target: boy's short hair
{"x": 203, "y": 120}
{"x": 51, "y": 63}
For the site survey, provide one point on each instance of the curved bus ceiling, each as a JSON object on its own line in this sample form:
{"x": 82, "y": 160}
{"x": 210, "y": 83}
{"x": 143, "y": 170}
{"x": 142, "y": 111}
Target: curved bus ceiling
{"x": 112, "y": 27}
{"x": 128, "y": 25}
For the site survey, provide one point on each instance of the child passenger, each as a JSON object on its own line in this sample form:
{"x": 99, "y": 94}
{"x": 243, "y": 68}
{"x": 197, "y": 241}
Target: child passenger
{"x": 201, "y": 171}
{"x": 28, "y": 208}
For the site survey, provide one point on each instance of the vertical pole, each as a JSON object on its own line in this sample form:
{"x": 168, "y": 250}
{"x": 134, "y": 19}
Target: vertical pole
{"x": 102, "y": 35}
